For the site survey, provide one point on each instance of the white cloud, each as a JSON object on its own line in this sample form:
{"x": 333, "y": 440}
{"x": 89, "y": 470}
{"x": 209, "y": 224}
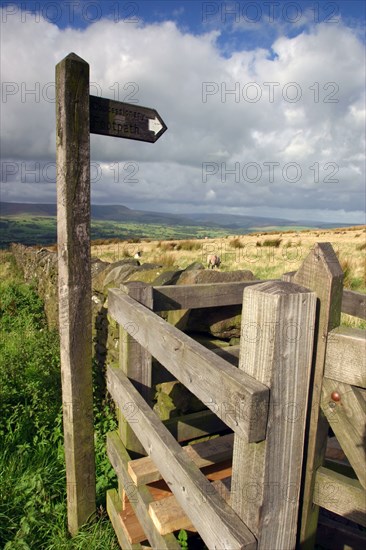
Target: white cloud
{"x": 310, "y": 112}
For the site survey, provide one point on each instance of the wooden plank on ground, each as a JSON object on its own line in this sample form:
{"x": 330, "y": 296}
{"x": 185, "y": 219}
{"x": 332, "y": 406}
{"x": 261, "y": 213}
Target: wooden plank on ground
{"x": 114, "y": 508}
{"x": 188, "y": 484}
{"x": 238, "y": 399}
{"x": 139, "y": 497}
{"x": 341, "y": 495}
{"x": 175, "y": 297}
{"x": 168, "y": 515}
{"x": 136, "y": 363}
{"x": 354, "y": 303}
{"x": 346, "y": 356}
{"x": 276, "y": 348}
{"x": 131, "y": 524}
{"x": 322, "y": 273}
{"x": 143, "y": 470}
{"x": 347, "y": 418}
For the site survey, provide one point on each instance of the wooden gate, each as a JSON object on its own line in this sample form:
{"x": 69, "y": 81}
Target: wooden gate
{"x": 261, "y": 482}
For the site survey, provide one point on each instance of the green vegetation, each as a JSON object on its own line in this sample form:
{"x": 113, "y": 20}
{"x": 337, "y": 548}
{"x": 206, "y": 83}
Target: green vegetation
{"x": 41, "y": 230}
{"x": 32, "y": 491}
{"x": 274, "y": 243}
{"x": 32, "y": 230}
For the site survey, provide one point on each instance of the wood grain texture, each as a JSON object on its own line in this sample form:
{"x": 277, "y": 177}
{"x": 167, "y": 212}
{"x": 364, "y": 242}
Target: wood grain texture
{"x": 352, "y": 303}
{"x": 194, "y": 425}
{"x": 347, "y": 418}
{"x": 321, "y": 273}
{"x": 346, "y": 356}
{"x": 74, "y": 285}
{"x": 276, "y": 348}
{"x": 168, "y": 516}
{"x": 135, "y": 362}
{"x": 213, "y": 451}
{"x": 238, "y": 399}
{"x": 114, "y": 508}
{"x": 340, "y": 494}
{"x": 190, "y": 487}
{"x": 139, "y": 497}
{"x": 174, "y": 297}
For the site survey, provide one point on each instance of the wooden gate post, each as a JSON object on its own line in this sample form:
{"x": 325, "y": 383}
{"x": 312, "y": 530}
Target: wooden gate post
{"x": 74, "y": 283}
{"x": 321, "y": 273}
{"x": 136, "y": 363}
{"x": 276, "y": 349}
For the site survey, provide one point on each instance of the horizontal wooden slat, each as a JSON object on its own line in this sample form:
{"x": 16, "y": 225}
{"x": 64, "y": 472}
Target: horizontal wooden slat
{"x": 234, "y": 396}
{"x": 200, "y": 295}
{"x": 190, "y": 487}
{"x": 341, "y": 495}
{"x": 346, "y": 356}
{"x": 139, "y": 497}
{"x": 143, "y": 470}
{"x": 131, "y": 524}
{"x": 194, "y": 425}
{"x": 114, "y": 508}
{"x": 354, "y": 303}
{"x": 168, "y": 516}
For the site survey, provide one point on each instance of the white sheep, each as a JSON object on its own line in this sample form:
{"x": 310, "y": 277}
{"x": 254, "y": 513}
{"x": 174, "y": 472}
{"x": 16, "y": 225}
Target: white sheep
{"x": 213, "y": 261}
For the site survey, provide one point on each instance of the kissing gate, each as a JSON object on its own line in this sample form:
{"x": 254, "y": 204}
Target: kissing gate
{"x": 270, "y": 400}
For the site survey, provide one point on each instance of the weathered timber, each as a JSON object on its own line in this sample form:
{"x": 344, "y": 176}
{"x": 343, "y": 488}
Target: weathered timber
{"x": 194, "y": 425}
{"x": 174, "y": 297}
{"x": 322, "y": 273}
{"x": 168, "y": 516}
{"x": 341, "y": 495}
{"x": 347, "y": 418}
{"x": 189, "y": 485}
{"x": 213, "y": 451}
{"x": 346, "y": 356}
{"x": 139, "y": 497}
{"x": 354, "y": 303}
{"x": 235, "y": 397}
{"x": 136, "y": 363}
{"x": 131, "y": 524}
{"x": 74, "y": 285}
{"x": 333, "y": 535}
{"x": 114, "y": 508}
{"x": 276, "y": 348}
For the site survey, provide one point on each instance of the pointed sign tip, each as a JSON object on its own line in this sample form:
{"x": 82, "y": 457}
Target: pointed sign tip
{"x": 74, "y": 57}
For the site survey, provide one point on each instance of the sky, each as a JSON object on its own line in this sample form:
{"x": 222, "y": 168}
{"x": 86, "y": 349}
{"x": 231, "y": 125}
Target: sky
{"x": 264, "y": 103}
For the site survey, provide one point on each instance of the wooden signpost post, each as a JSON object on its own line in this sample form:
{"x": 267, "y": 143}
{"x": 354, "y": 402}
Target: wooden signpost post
{"x": 77, "y": 115}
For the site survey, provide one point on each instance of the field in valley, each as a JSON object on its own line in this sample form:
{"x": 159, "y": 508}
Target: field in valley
{"x": 33, "y": 230}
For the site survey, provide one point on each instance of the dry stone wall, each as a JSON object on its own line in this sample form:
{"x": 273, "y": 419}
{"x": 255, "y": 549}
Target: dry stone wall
{"x": 212, "y": 327}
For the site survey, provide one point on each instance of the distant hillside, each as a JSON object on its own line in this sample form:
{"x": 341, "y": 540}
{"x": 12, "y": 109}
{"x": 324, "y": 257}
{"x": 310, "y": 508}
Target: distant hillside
{"x": 120, "y": 213}
{"x": 110, "y": 212}
{"x": 236, "y": 221}
{"x": 28, "y": 209}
